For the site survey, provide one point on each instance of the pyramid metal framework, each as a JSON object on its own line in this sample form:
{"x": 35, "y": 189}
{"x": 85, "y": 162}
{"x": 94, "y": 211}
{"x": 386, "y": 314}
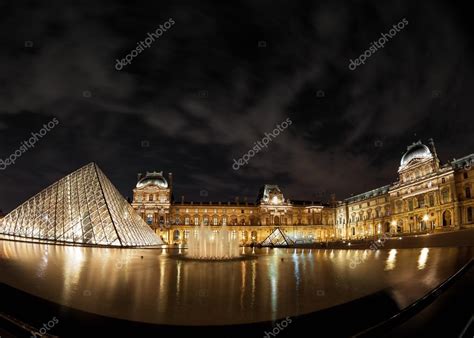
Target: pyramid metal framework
{"x": 82, "y": 208}
{"x": 277, "y": 238}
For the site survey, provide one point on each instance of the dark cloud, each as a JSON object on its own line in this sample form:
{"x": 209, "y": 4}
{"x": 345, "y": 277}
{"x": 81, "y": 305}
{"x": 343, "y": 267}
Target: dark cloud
{"x": 220, "y": 78}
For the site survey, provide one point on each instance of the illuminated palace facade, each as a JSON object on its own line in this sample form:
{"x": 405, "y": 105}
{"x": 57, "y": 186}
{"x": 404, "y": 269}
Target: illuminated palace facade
{"x": 428, "y": 196}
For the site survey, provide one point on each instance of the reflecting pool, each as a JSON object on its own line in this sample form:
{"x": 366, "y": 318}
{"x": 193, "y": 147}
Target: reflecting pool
{"x": 151, "y": 285}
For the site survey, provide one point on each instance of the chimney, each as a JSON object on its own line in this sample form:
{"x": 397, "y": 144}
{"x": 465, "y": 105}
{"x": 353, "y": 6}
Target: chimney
{"x": 170, "y": 180}
{"x": 139, "y": 176}
{"x": 170, "y": 185}
{"x": 433, "y": 149}
{"x": 236, "y": 199}
{"x": 182, "y": 199}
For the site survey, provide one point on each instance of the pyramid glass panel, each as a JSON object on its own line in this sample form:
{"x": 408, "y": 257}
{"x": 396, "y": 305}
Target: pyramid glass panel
{"x": 82, "y": 208}
{"x": 277, "y": 238}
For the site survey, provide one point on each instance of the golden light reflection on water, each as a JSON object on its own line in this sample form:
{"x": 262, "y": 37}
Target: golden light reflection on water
{"x": 391, "y": 260}
{"x": 423, "y": 258}
{"x": 161, "y": 289}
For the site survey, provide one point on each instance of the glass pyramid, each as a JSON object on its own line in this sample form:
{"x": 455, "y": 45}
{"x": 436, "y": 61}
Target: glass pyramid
{"x": 84, "y": 208}
{"x": 277, "y": 238}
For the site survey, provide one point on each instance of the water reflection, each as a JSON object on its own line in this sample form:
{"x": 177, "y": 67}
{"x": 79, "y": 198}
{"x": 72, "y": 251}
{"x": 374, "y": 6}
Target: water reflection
{"x": 423, "y": 258}
{"x": 391, "y": 260}
{"x": 159, "y": 288}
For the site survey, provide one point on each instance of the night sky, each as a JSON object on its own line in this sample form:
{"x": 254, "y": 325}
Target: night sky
{"x": 218, "y": 79}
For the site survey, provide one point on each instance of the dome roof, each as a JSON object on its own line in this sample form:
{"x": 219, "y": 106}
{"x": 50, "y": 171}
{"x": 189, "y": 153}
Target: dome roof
{"x": 154, "y": 178}
{"x": 416, "y": 150}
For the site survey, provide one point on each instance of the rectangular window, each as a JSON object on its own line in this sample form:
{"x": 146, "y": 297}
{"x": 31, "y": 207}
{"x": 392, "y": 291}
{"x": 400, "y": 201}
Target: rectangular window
{"x": 224, "y": 221}
{"x": 186, "y": 221}
{"x": 421, "y": 201}
{"x": 431, "y": 200}
{"x": 196, "y": 220}
{"x": 215, "y": 221}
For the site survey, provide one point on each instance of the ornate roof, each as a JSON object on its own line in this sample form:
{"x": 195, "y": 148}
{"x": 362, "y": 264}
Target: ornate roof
{"x": 153, "y": 178}
{"x": 415, "y": 151}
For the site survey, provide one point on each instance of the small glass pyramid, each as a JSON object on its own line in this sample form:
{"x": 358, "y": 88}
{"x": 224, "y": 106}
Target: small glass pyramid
{"x": 277, "y": 238}
{"x": 82, "y": 208}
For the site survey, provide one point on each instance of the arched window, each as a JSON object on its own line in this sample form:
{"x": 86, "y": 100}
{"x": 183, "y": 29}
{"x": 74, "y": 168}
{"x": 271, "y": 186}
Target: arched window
{"x": 468, "y": 192}
{"x": 446, "y": 218}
